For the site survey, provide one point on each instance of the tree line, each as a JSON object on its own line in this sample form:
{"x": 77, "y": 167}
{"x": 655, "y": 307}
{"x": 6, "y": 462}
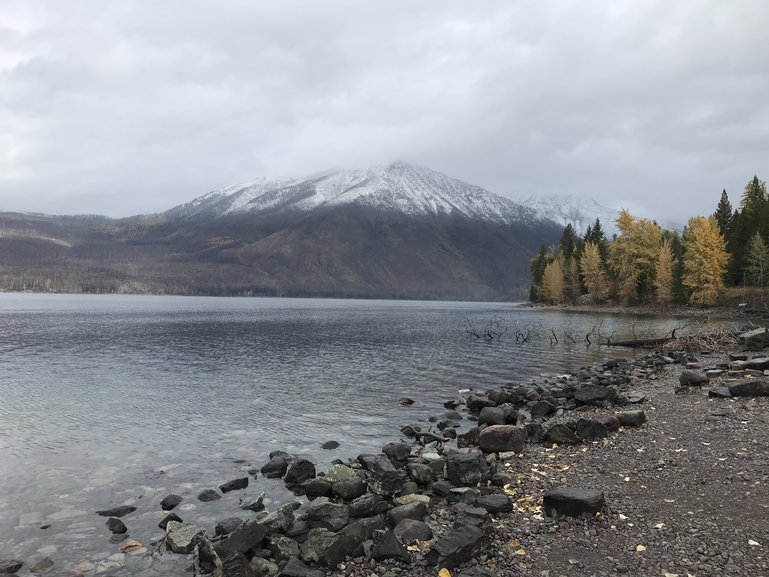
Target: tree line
{"x": 643, "y": 263}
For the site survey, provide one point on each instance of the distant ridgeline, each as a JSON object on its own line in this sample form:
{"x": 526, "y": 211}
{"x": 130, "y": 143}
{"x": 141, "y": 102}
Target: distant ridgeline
{"x": 644, "y": 263}
{"x": 397, "y": 231}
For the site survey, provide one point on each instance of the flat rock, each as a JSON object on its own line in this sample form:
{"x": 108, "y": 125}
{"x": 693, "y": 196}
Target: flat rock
{"x": 327, "y": 515}
{"x": 368, "y": 506}
{"x": 458, "y": 546}
{"x": 588, "y": 429}
{"x": 561, "y": 434}
{"x": 234, "y": 485}
{"x": 43, "y": 566}
{"x": 182, "y": 538}
{"x": 340, "y": 473}
{"x": 246, "y": 537}
{"x": 750, "y": 388}
{"x": 595, "y": 395}
{"x": 466, "y": 469}
{"x": 119, "y": 511}
{"x": 688, "y": 378}
{"x": 495, "y": 503}
{"x": 572, "y": 501}
{"x": 720, "y": 392}
{"x": 364, "y": 528}
{"x": 416, "y": 510}
{"x": 330, "y": 445}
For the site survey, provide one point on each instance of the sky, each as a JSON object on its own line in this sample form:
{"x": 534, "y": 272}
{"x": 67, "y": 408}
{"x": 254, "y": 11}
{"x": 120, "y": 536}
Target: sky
{"x": 136, "y": 106}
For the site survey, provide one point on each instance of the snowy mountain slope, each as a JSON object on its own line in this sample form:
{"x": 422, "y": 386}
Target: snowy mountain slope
{"x": 580, "y": 212}
{"x": 398, "y": 187}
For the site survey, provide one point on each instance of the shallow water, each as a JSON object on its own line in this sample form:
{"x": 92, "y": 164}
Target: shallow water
{"x": 124, "y": 399}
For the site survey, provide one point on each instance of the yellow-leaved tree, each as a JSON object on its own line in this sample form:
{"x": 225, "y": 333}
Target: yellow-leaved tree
{"x": 705, "y": 260}
{"x": 591, "y": 267}
{"x": 553, "y": 285}
{"x": 633, "y": 255}
{"x": 663, "y": 279}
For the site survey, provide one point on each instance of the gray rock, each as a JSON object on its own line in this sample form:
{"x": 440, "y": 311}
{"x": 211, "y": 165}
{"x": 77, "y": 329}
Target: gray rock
{"x": 420, "y": 473}
{"x": 315, "y": 488}
{"x": 467, "y": 515}
{"x": 475, "y": 403}
{"x": 409, "y": 530}
{"x": 689, "y": 378}
{"x": 492, "y": 416}
{"x": 589, "y": 429}
{"x": 364, "y": 528}
{"x": 182, "y": 538}
{"x": 327, "y": 515}
{"x": 572, "y": 501}
{"x": 255, "y": 504}
{"x": 416, "y": 510}
{"x": 720, "y": 392}
{"x": 170, "y": 502}
{"x": 279, "y": 521}
{"x": 595, "y": 395}
{"x": 466, "y": 469}
{"x": 208, "y": 495}
{"x": 116, "y": 526}
{"x": 502, "y": 439}
{"x": 387, "y": 546}
{"x": 542, "y": 408}
{"x": 276, "y": 467}
{"x": 384, "y": 478}
{"x": 120, "y": 511}
{"x": 295, "y": 568}
{"x": 468, "y": 439}
{"x": 282, "y": 548}
{"x": 561, "y": 434}
{"x": 299, "y": 471}
{"x": 43, "y": 566}
{"x": 170, "y": 517}
{"x": 263, "y": 567}
{"x": 328, "y": 548}
{"x": 754, "y": 340}
{"x": 368, "y": 506}
{"x": 234, "y": 485}
{"x": 228, "y": 525}
{"x": 236, "y": 565}
{"x": 330, "y": 445}
{"x": 495, "y": 503}
{"x": 457, "y": 547}
{"x": 340, "y": 473}
{"x": 241, "y": 540}
{"x": 750, "y": 389}
{"x": 631, "y": 418}
{"x": 350, "y": 489}
{"x": 397, "y": 451}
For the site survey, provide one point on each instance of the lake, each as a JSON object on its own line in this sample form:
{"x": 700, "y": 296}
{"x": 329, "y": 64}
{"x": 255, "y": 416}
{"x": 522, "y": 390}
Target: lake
{"x": 123, "y": 399}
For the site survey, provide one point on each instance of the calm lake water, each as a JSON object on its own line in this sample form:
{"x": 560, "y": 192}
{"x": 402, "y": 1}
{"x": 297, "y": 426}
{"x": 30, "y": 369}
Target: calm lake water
{"x": 123, "y": 399}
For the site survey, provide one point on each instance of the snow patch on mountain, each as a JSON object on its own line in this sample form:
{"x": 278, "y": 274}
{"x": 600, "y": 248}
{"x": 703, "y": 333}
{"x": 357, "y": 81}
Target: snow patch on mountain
{"x": 577, "y": 211}
{"x": 398, "y": 186}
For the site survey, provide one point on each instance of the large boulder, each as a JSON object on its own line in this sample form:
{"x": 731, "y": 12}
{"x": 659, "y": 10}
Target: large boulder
{"x": 368, "y": 506}
{"x": 384, "y": 478}
{"x": 234, "y": 485}
{"x": 327, "y": 548}
{"x": 237, "y": 565}
{"x": 492, "y": 416}
{"x": 279, "y": 521}
{"x": 466, "y": 469}
{"x": 10, "y": 566}
{"x": 228, "y": 525}
{"x": 170, "y": 502}
{"x": 475, "y": 403}
{"x": 631, "y": 418}
{"x": 468, "y": 438}
{"x": 276, "y": 467}
{"x": 502, "y": 438}
{"x": 495, "y": 503}
{"x": 327, "y": 515}
{"x": 572, "y": 501}
{"x": 364, "y": 528}
{"x": 420, "y": 473}
{"x": 408, "y": 530}
{"x": 282, "y": 548}
{"x": 398, "y": 452}
{"x": 561, "y": 434}
{"x": 590, "y": 430}
{"x": 458, "y": 546}
{"x": 349, "y": 489}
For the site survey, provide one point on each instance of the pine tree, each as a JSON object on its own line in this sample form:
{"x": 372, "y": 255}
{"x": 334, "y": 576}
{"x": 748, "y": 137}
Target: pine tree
{"x": 596, "y": 235}
{"x": 757, "y": 261}
{"x": 680, "y": 292}
{"x": 553, "y": 286}
{"x": 537, "y": 267}
{"x": 593, "y": 273}
{"x": 724, "y": 214}
{"x": 663, "y": 279}
{"x": 705, "y": 260}
{"x": 568, "y": 242}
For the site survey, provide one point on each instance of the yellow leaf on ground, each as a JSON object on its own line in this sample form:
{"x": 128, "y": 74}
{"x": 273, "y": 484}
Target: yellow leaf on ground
{"x": 520, "y": 552}
{"x": 659, "y": 525}
{"x": 753, "y": 543}
{"x": 671, "y": 574}
{"x": 444, "y": 573}
{"x": 669, "y": 500}
{"x": 640, "y": 548}
{"x": 513, "y": 544}
{"x": 413, "y": 547}
{"x": 622, "y": 517}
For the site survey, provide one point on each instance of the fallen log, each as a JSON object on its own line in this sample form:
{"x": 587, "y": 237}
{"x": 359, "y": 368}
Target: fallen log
{"x": 641, "y": 343}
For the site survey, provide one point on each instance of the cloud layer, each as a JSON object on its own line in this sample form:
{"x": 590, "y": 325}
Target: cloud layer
{"x": 136, "y": 106}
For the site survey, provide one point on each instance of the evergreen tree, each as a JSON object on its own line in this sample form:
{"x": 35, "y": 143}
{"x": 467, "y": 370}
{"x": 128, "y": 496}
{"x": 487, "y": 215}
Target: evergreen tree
{"x": 537, "y": 267}
{"x": 569, "y": 242}
{"x": 680, "y": 293}
{"x": 596, "y": 235}
{"x": 724, "y": 214}
{"x": 705, "y": 260}
{"x": 757, "y": 261}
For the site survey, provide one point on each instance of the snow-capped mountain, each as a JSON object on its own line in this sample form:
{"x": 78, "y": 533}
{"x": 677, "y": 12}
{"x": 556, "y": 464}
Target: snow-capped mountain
{"x": 400, "y": 187}
{"x": 580, "y": 212}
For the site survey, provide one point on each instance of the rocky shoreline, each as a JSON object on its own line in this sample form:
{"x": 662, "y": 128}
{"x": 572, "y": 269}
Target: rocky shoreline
{"x": 658, "y": 464}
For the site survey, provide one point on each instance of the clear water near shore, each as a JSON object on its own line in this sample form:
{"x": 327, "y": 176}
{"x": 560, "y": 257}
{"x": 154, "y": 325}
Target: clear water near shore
{"x": 113, "y": 399}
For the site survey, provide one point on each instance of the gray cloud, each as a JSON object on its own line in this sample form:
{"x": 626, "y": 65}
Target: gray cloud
{"x": 120, "y": 108}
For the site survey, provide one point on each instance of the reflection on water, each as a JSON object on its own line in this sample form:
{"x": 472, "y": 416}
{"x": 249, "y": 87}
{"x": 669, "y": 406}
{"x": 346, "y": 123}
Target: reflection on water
{"x": 105, "y": 399}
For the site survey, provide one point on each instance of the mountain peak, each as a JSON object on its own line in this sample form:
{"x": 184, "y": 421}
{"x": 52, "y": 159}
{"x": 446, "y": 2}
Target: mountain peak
{"x": 398, "y": 186}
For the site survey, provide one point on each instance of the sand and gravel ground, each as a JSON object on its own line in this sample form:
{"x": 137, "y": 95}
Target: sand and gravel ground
{"x": 686, "y": 494}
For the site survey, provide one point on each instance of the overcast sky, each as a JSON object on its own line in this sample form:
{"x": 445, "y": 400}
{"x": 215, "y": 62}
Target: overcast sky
{"x": 133, "y": 107}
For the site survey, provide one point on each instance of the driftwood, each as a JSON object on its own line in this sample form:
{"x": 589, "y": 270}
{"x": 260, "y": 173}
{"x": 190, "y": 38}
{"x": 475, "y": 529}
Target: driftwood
{"x": 641, "y": 343}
